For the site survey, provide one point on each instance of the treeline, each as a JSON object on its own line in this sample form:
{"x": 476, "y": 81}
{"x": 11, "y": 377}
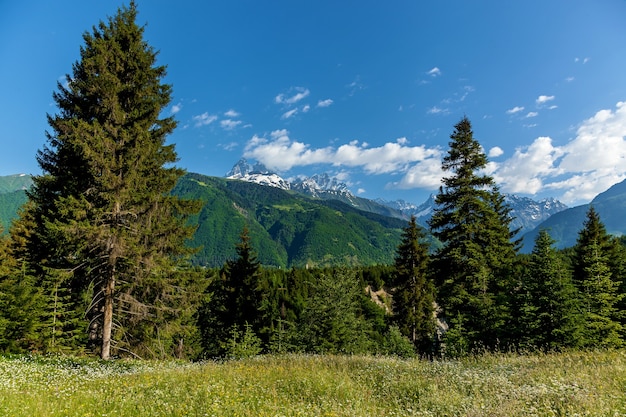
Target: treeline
{"x": 98, "y": 260}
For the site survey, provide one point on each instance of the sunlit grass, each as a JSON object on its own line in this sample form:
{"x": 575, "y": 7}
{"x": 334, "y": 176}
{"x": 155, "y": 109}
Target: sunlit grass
{"x": 568, "y": 384}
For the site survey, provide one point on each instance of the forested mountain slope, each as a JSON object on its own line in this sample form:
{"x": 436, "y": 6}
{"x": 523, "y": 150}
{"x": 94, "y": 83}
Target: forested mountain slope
{"x": 286, "y": 228}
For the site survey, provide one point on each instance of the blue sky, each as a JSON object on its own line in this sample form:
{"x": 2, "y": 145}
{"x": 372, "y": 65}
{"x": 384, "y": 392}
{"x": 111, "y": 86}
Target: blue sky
{"x": 368, "y": 91}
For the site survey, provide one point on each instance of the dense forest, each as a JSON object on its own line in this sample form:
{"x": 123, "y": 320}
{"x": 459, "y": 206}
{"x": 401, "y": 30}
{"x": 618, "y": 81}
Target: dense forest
{"x": 98, "y": 261}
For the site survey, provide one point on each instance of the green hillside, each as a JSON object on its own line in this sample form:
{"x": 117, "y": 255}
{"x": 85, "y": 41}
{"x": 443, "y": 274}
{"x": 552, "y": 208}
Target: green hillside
{"x": 10, "y": 203}
{"x": 11, "y": 183}
{"x": 286, "y": 228}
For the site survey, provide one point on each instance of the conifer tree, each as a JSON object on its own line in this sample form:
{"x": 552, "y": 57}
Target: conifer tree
{"x": 599, "y": 289}
{"x": 549, "y": 315}
{"x": 473, "y": 225}
{"x": 233, "y": 301}
{"x": 413, "y": 297}
{"x": 102, "y": 207}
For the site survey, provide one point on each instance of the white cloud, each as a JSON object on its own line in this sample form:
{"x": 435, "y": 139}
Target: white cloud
{"x": 204, "y": 119}
{"x": 282, "y": 153}
{"x": 325, "y": 103}
{"x": 524, "y": 171}
{"x": 294, "y": 95}
{"x": 229, "y": 124}
{"x": 288, "y": 114}
{"x": 435, "y": 72}
{"x": 543, "y": 99}
{"x": 584, "y": 167}
{"x": 532, "y": 114}
{"x": 426, "y": 174}
{"x": 569, "y": 79}
{"x": 495, "y": 152}
{"x": 515, "y": 109}
{"x": 176, "y": 108}
{"x": 360, "y": 191}
{"x": 231, "y": 113}
{"x": 306, "y": 108}
{"x": 436, "y": 110}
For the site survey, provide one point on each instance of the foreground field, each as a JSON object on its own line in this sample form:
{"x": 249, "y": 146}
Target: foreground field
{"x": 582, "y": 384}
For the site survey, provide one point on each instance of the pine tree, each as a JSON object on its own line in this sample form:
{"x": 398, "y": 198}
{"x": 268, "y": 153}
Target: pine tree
{"x": 549, "y": 315}
{"x": 413, "y": 297}
{"x": 331, "y": 321}
{"x": 599, "y": 289}
{"x": 471, "y": 269}
{"x": 103, "y": 212}
{"x": 234, "y": 299}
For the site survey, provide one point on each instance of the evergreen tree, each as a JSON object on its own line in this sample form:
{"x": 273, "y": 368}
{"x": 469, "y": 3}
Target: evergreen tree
{"x": 234, "y": 299}
{"x": 598, "y": 288}
{"x": 413, "y": 297}
{"x": 548, "y": 318}
{"x": 472, "y": 268}
{"x": 332, "y": 320}
{"x": 102, "y": 208}
{"x": 20, "y": 303}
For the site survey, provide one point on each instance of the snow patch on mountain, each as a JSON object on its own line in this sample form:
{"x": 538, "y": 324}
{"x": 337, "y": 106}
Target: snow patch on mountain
{"x": 319, "y": 185}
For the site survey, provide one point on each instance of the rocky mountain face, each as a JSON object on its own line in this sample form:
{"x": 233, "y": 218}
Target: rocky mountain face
{"x": 319, "y": 185}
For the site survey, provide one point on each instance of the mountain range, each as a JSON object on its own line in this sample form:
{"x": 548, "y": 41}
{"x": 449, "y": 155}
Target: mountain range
{"x": 317, "y": 221}
{"x": 527, "y": 212}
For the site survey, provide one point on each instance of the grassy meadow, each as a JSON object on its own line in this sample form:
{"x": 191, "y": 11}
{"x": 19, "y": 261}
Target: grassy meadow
{"x": 567, "y": 384}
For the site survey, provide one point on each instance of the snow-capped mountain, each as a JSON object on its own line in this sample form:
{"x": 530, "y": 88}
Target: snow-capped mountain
{"x": 319, "y": 185}
{"x": 526, "y": 212}
{"x": 257, "y": 173}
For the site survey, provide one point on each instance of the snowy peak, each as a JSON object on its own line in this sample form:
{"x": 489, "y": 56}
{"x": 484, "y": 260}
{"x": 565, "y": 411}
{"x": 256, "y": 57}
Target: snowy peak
{"x": 526, "y": 212}
{"x": 319, "y": 185}
{"x": 243, "y": 168}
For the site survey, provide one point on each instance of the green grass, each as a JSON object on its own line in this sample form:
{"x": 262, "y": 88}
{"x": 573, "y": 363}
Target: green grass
{"x": 569, "y": 384}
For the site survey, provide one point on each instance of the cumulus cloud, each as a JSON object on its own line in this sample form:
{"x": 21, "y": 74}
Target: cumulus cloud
{"x": 325, "y": 103}
{"x": 281, "y": 153}
{"x": 574, "y": 172}
{"x": 495, "y": 152}
{"x": 582, "y": 168}
{"x": 515, "y": 109}
{"x": 294, "y": 95}
{"x": 204, "y": 119}
{"x": 531, "y": 114}
{"x": 231, "y": 113}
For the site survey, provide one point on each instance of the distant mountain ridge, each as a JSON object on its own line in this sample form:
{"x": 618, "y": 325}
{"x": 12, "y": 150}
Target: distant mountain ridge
{"x": 565, "y": 225}
{"x": 12, "y": 197}
{"x": 527, "y": 212}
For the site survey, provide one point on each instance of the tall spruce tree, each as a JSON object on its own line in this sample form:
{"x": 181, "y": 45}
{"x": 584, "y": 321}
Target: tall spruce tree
{"x": 103, "y": 212}
{"x": 473, "y": 224}
{"x": 413, "y": 297}
{"x": 233, "y": 299}
{"x": 596, "y": 275}
{"x": 548, "y": 317}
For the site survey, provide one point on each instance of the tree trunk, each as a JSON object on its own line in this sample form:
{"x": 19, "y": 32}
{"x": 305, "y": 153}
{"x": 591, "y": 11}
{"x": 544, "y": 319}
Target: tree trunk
{"x": 107, "y": 322}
